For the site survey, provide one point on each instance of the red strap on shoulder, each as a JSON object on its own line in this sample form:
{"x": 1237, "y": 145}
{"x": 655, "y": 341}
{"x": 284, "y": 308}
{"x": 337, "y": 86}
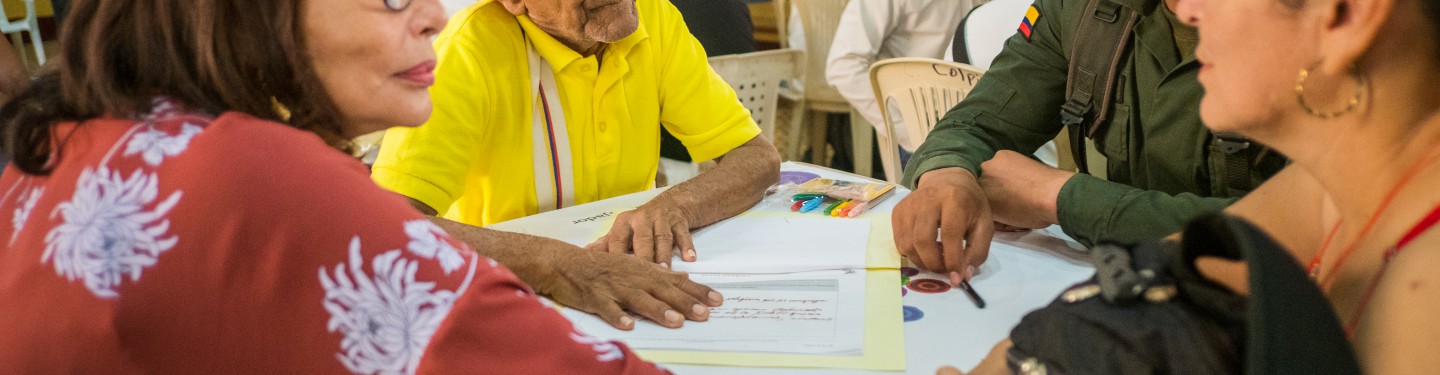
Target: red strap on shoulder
{"x": 1425, "y": 224}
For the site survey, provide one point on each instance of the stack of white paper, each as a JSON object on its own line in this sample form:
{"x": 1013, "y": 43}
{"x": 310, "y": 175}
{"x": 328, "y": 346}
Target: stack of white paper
{"x": 778, "y": 245}
{"x": 791, "y": 285}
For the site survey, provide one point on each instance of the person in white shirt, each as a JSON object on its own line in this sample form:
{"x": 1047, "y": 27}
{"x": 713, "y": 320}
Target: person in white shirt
{"x": 873, "y": 30}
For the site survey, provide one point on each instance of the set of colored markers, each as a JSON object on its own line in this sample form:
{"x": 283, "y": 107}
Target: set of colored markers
{"x": 838, "y": 198}
{"x": 837, "y": 208}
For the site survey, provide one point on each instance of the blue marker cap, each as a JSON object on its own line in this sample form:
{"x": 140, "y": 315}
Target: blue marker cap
{"x": 811, "y": 204}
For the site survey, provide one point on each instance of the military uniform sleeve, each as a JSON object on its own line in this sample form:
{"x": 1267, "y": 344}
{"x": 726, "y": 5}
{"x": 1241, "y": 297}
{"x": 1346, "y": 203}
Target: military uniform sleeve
{"x": 1091, "y": 209}
{"x": 430, "y": 163}
{"x": 696, "y": 105}
{"x": 1015, "y": 106}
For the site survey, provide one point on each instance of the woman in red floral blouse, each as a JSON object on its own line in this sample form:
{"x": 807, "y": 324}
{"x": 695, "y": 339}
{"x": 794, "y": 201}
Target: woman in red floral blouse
{"x": 180, "y": 202}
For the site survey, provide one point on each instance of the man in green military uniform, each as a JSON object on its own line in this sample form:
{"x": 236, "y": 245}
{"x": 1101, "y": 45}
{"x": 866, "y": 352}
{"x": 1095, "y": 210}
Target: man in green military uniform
{"x": 1163, "y": 165}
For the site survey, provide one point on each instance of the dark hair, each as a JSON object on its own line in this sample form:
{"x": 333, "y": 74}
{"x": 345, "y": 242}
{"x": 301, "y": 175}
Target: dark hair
{"x": 1432, "y": 9}
{"x": 210, "y": 55}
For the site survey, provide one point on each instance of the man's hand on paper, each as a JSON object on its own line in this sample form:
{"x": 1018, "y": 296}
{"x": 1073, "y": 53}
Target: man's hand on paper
{"x": 948, "y": 203}
{"x": 993, "y": 364}
{"x": 652, "y": 232}
{"x": 738, "y": 180}
{"x": 1022, "y": 192}
{"x": 607, "y": 284}
{"x": 595, "y": 282}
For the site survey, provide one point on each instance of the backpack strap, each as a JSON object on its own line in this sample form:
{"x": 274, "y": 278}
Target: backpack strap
{"x": 1095, "y": 56}
{"x": 1097, "y": 48}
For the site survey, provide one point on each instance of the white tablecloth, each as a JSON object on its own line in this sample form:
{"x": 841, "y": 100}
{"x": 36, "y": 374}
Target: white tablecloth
{"x": 1025, "y": 271}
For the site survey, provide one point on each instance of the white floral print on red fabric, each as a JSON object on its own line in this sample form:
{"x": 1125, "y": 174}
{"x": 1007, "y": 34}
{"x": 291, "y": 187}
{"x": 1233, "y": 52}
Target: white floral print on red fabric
{"x": 112, "y": 228}
{"x": 428, "y": 241}
{"x": 387, "y": 315}
{"x": 23, "y": 206}
{"x": 155, "y": 145}
{"x": 605, "y": 351}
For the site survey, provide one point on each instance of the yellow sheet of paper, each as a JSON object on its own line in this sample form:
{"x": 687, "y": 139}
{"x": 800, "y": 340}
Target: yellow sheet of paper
{"x": 881, "y": 254}
{"x": 884, "y": 347}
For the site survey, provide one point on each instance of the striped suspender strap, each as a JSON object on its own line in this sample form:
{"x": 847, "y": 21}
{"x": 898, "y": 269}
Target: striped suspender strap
{"x": 550, "y": 149}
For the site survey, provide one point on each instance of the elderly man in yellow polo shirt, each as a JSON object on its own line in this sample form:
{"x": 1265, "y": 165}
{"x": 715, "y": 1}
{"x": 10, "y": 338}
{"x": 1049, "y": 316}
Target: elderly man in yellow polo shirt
{"x": 546, "y": 104}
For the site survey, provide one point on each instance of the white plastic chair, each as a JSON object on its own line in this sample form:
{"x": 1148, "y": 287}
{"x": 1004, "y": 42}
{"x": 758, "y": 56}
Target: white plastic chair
{"x": 782, "y": 19}
{"x": 820, "y": 18}
{"x": 924, "y": 90}
{"x": 756, "y": 78}
{"x": 13, "y": 28}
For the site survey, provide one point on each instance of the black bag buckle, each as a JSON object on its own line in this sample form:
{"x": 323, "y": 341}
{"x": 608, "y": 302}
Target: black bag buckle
{"x": 1107, "y": 12}
{"x": 1119, "y": 282}
{"x": 1073, "y": 112}
{"x": 1231, "y": 144}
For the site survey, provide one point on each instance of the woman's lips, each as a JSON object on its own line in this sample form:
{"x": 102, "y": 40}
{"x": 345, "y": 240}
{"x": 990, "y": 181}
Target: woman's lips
{"x": 422, "y": 73}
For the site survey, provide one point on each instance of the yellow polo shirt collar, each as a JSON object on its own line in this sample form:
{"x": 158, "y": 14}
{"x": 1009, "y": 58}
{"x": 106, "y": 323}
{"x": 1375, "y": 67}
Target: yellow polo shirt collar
{"x": 561, "y": 56}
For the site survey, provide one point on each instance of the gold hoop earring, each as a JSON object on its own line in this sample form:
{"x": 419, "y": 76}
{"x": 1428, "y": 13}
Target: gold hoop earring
{"x": 280, "y": 109}
{"x": 1350, "y": 106}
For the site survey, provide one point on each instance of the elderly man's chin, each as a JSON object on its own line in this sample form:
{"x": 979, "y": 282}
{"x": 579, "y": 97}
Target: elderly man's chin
{"x": 613, "y": 22}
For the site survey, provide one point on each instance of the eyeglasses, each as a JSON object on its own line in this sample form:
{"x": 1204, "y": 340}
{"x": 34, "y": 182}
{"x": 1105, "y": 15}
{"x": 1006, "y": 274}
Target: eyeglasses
{"x": 397, "y": 5}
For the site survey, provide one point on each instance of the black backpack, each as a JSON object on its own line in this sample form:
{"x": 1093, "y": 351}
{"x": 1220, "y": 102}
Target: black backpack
{"x": 1148, "y": 311}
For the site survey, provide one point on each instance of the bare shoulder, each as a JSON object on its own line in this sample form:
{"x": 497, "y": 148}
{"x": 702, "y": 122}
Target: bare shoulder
{"x": 1401, "y": 314}
{"x": 1414, "y": 269}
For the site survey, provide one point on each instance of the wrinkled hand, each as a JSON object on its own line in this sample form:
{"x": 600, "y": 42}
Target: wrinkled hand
{"x": 1021, "y": 191}
{"x": 993, "y": 364}
{"x": 606, "y": 284}
{"x": 949, "y": 204}
{"x": 651, "y": 232}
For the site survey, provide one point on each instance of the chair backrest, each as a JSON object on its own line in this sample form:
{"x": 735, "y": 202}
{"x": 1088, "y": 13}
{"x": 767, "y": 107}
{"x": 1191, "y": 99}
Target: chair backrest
{"x": 987, "y": 27}
{"x": 782, "y": 17}
{"x": 923, "y": 89}
{"x": 8, "y": 25}
{"x": 756, "y": 78}
{"x": 820, "y": 18}
{"x": 21, "y": 22}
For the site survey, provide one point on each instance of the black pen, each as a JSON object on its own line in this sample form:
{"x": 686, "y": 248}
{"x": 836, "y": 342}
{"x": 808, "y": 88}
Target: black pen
{"x": 970, "y": 291}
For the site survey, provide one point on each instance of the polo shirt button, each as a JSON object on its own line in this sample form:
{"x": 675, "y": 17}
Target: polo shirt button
{"x": 586, "y": 68}
{"x": 602, "y": 126}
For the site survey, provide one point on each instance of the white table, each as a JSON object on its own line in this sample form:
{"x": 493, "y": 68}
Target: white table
{"x": 1025, "y": 271}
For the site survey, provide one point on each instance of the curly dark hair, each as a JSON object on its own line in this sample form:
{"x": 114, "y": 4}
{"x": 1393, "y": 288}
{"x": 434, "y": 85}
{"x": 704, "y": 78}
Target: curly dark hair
{"x": 212, "y": 55}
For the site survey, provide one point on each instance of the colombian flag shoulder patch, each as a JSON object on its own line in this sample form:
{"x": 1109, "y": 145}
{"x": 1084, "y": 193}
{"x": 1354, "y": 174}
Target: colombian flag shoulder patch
{"x": 1027, "y": 25}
